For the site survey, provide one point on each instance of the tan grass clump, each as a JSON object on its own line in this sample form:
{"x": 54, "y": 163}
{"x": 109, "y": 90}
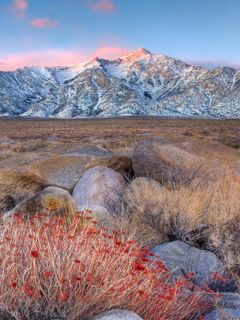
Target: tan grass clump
{"x": 120, "y": 164}
{"x": 19, "y": 185}
{"x": 206, "y": 216}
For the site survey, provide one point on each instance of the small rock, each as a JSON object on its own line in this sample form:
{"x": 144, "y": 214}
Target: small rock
{"x": 102, "y": 187}
{"x": 53, "y": 137}
{"x": 116, "y": 314}
{"x": 4, "y": 140}
{"x": 51, "y": 199}
{"x": 181, "y": 258}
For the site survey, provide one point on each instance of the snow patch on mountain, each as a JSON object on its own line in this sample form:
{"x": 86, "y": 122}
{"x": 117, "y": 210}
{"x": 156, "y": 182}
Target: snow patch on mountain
{"x": 139, "y": 83}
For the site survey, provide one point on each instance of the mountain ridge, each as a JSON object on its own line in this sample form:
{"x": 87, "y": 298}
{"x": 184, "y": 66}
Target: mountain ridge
{"x": 139, "y": 83}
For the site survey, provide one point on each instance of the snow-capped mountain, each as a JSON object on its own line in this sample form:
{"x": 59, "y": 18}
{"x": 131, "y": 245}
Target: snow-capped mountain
{"x": 139, "y": 83}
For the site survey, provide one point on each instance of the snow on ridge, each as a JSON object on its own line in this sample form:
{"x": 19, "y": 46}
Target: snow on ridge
{"x": 68, "y": 73}
{"x": 139, "y": 83}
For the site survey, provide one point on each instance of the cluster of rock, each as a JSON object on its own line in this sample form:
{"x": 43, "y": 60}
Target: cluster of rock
{"x": 154, "y": 161}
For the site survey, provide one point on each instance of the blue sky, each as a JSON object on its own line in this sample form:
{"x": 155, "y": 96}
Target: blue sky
{"x": 56, "y": 32}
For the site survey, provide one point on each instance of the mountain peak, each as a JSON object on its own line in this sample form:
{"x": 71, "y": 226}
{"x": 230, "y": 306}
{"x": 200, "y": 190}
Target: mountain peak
{"x": 136, "y": 55}
{"x": 143, "y": 51}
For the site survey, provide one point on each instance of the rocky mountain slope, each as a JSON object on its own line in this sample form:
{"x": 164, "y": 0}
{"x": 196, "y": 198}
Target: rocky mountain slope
{"x": 139, "y": 83}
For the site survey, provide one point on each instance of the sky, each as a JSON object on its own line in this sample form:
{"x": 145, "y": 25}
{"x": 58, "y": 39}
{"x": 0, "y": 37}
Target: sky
{"x": 66, "y": 32}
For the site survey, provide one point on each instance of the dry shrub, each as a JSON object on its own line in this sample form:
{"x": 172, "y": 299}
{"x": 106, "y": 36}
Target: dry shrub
{"x": 120, "y": 164}
{"x": 58, "y": 205}
{"x": 233, "y": 142}
{"x": 30, "y": 146}
{"x": 71, "y": 272}
{"x": 225, "y": 241}
{"x": 205, "y": 216}
{"x": 19, "y": 185}
{"x": 211, "y": 203}
{"x": 24, "y": 179}
{"x": 143, "y": 219}
{"x": 123, "y": 142}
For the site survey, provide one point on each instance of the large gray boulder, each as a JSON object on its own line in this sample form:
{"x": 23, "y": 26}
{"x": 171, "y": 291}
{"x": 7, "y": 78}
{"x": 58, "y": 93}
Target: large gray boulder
{"x": 116, "y": 314}
{"x": 183, "y": 160}
{"x": 100, "y": 187}
{"x": 62, "y": 171}
{"x": 228, "y": 308}
{"x": 51, "y": 199}
{"x": 164, "y": 161}
{"x": 60, "y": 168}
{"x": 181, "y": 258}
{"x": 65, "y": 170}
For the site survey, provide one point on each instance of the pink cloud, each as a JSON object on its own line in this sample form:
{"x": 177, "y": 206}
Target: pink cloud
{"x": 110, "y": 52}
{"x": 19, "y": 7}
{"x": 49, "y": 58}
{"x": 46, "y": 58}
{"x": 43, "y": 23}
{"x": 103, "y": 5}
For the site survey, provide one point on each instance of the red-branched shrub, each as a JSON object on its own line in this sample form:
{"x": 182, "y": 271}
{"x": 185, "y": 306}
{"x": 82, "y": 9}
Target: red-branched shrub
{"x": 72, "y": 270}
